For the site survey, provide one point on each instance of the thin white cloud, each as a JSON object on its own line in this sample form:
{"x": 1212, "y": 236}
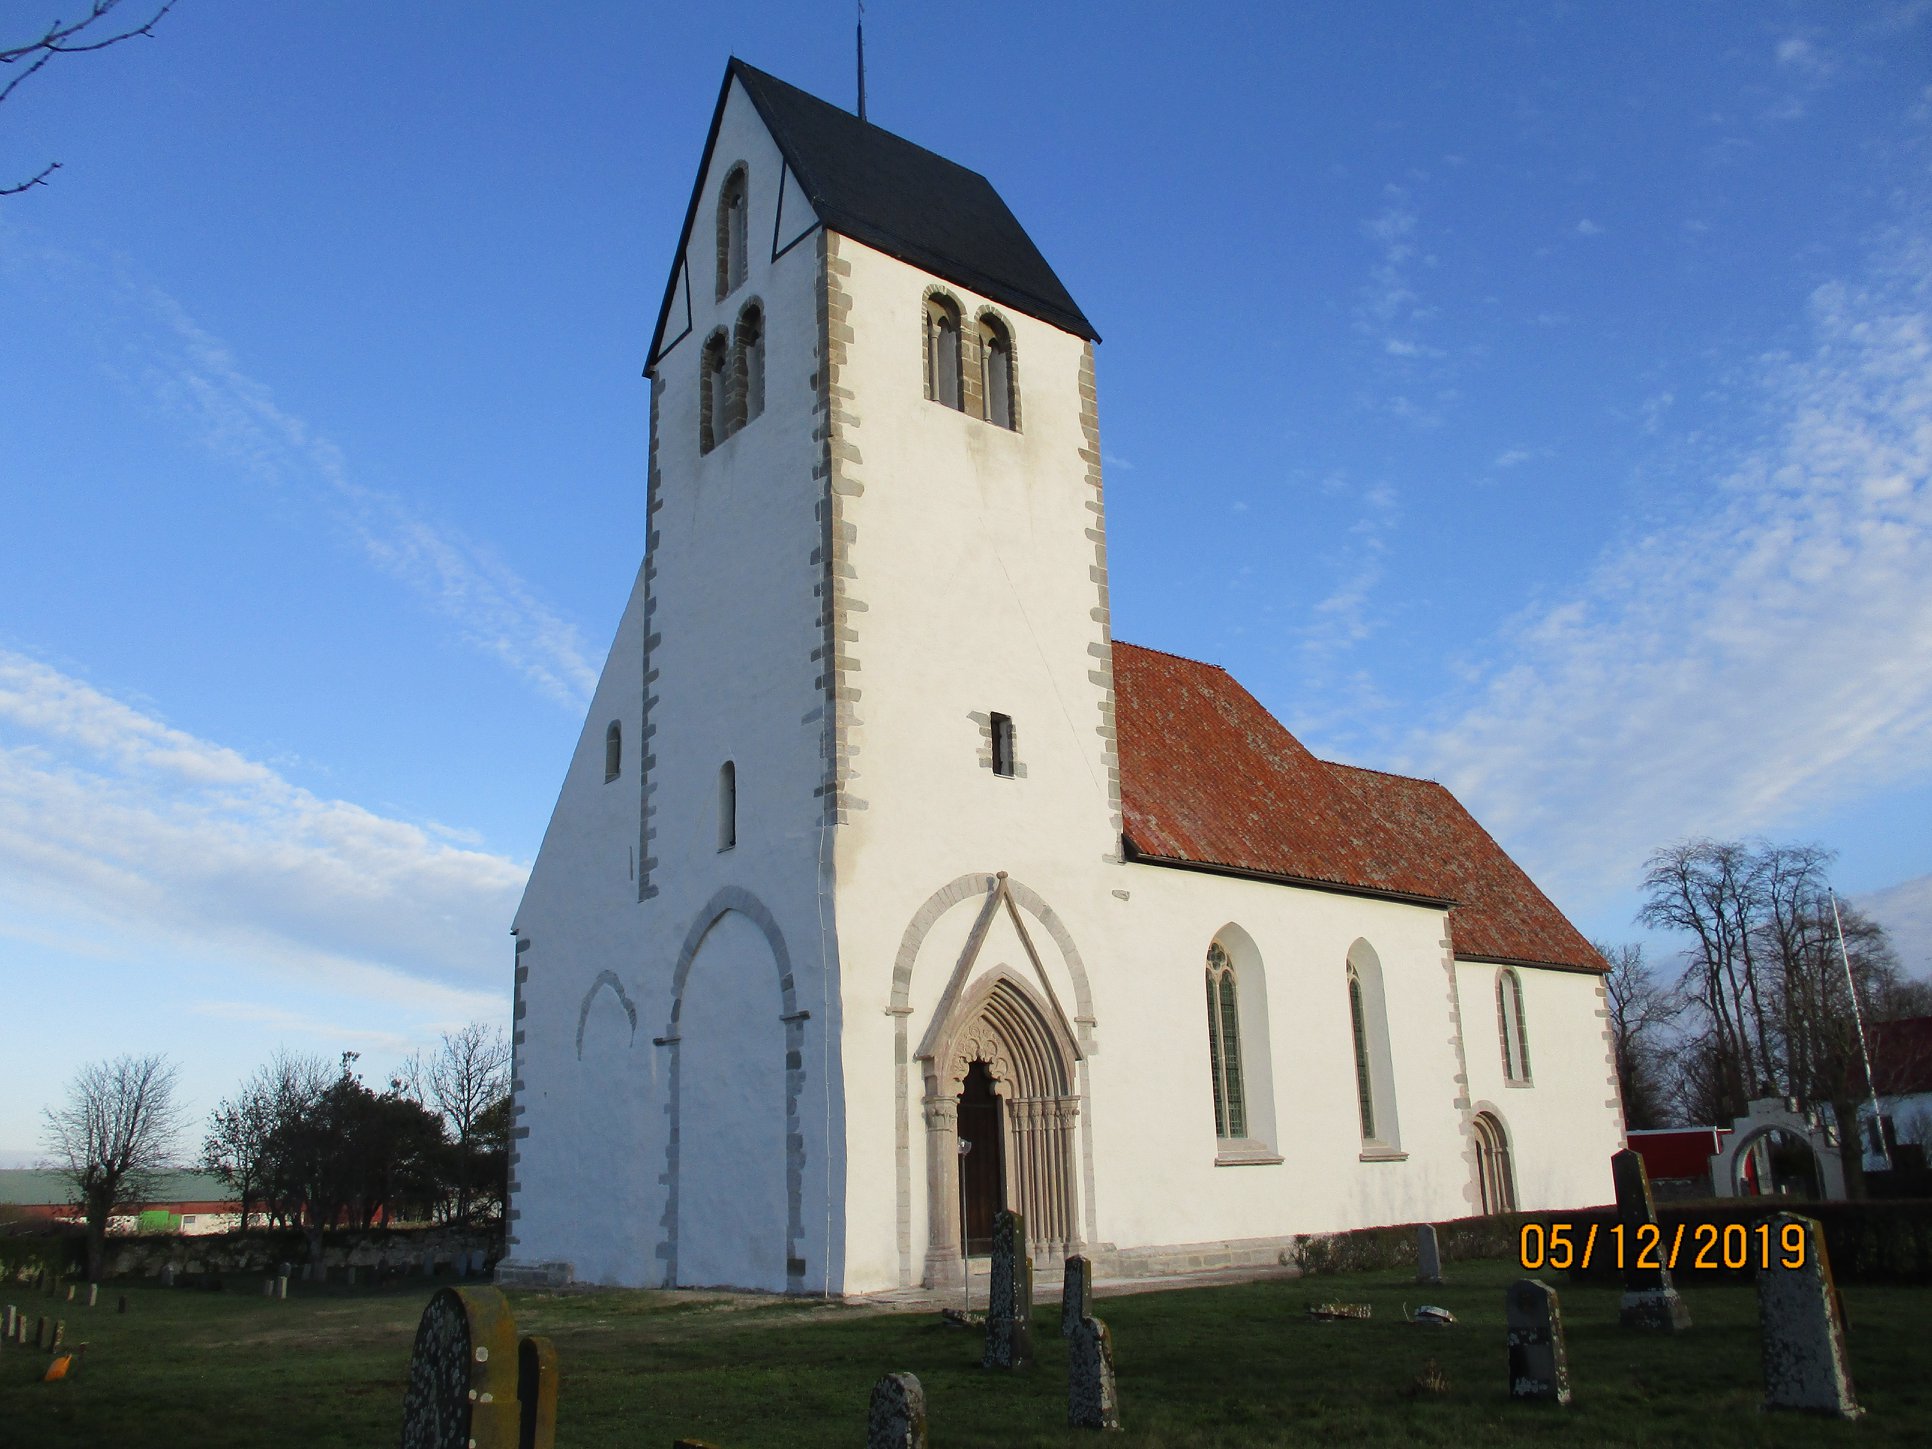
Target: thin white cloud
{"x": 1769, "y": 653}
{"x": 135, "y": 827}
{"x": 1587, "y": 227}
{"x": 1905, "y": 911}
{"x": 1345, "y": 617}
{"x": 196, "y": 378}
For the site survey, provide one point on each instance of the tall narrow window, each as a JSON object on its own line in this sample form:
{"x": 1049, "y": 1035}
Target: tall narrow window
{"x": 1003, "y": 745}
{"x": 942, "y": 352}
{"x": 1495, "y": 1176}
{"x": 613, "y": 751}
{"x": 713, "y": 414}
{"x": 1511, "y": 1029}
{"x": 727, "y": 806}
{"x": 1364, "y": 1077}
{"x": 996, "y": 356}
{"x": 733, "y": 232}
{"x": 749, "y": 383}
{"x": 1224, "y": 1045}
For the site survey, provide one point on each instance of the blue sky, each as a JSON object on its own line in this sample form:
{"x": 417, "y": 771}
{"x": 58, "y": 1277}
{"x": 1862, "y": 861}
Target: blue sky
{"x": 1536, "y": 398}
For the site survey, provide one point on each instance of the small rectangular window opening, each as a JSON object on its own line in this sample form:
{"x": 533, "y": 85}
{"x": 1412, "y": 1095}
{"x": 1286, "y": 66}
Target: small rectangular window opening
{"x": 727, "y": 806}
{"x": 1003, "y": 745}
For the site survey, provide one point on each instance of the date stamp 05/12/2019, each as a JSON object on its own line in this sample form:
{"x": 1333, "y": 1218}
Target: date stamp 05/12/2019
{"x": 1560, "y": 1246}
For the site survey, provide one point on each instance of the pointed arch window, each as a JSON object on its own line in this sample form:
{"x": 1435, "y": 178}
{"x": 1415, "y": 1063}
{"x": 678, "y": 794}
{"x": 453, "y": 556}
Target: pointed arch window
{"x": 733, "y": 232}
{"x": 1512, "y": 1029}
{"x": 1224, "y": 1045}
{"x": 996, "y": 362}
{"x": 613, "y": 751}
{"x": 1495, "y": 1176}
{"x": 713, "y": 402}
{"x": 943, "y": 373}
{"x": 1364, "y": 1072}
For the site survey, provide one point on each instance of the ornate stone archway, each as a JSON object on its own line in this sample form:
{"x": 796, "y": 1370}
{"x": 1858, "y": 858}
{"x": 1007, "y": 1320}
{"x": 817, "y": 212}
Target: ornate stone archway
{"x": 1030, "y": 1054}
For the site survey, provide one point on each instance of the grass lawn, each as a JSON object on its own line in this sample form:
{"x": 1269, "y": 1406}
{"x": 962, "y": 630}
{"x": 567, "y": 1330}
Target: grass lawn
{"x": 1203, "y": 1366}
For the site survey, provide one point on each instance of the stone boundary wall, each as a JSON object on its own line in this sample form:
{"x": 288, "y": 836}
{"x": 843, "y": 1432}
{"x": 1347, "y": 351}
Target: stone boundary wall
{"x": 258, "y": 1252}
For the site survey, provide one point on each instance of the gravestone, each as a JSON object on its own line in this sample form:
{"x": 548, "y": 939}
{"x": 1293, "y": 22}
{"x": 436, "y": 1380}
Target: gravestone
{"x": 1802, "y": 1333}
{"x": 429, "y": 1265}
{"x": 463, "y": 1374}
{"x": 1091, "y": 1400}
{"x": 1076, "y": 1294}
{"x": 1539, "y": 1363}
{"x": 1009, "y": 1307}
{"x": 536, "y": 1393}
{"x": 1650, "y": 1301}
{"x": 60, "y": 1334}
{"x": 281, "y": 1286}
{"x": 93, "y": 1294}
{"x": 284, "y": 1270}
{"x": 13, "y": 1317}
{"x": 44, "y": 1333}
{"x": 1428, "y": 1256}
{"x": 121, "y": 1305}
{"x": 896, "y": 1418}
{"x": 167, "y": 1275}
{"x": 70, "y": 1292}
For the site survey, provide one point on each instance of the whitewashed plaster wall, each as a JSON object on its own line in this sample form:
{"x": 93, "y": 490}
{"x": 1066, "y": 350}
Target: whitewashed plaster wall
{"x": 1564, "y": 1124}
{"x": 731, "y": 618}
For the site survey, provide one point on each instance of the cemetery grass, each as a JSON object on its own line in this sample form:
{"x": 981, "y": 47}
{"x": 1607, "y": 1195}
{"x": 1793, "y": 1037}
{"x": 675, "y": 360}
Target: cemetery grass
{"x": 1232, "y": 1365}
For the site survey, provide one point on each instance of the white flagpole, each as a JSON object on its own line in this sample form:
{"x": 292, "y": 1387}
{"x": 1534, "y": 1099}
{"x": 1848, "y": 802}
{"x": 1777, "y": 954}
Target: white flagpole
{"x": 1878, "y": 1119}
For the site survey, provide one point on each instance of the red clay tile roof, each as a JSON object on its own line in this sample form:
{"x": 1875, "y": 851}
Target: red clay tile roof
{"x": 1210, "y": 779}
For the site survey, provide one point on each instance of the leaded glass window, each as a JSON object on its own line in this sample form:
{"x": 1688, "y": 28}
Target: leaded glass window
{"x": 1364, "y": 1088}
{"x": 1224, "y": 1045}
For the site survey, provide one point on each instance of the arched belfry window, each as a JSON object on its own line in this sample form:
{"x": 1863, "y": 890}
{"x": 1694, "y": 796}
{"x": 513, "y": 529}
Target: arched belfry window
{"x": 1512, "y": 1030}
{"x": 733, "y": 232}
{"x": 714, "y": 416}
{"x": 748, "y": 371}
{"x": 943, "y": 372}
{"x": 998, "y": 388}
{"x": 1224, "y": 1045}
{"x": 613, "y": 751}
{"x": 1495, "y": 1176}
{"x": 727, "y": 805}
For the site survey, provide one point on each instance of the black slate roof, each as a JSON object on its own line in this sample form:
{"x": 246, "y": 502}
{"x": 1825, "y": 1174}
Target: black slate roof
{"x": 901, "y": 199}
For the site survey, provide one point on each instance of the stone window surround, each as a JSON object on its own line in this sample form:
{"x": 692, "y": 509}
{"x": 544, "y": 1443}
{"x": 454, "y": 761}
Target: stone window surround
{"x": 972, "y": 356}
{"x": 736, "y": 185}
{"x": 714, "y": 358}
{"x": 984, "y": 719}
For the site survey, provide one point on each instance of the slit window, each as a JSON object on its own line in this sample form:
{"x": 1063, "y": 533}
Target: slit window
{"x": 613, "y": 751}
{"x": 727, "y": 806}
{"x": 713, "y": 417}
{"x": 1003, "y": 745}
{"x": 1364, "y": 1083}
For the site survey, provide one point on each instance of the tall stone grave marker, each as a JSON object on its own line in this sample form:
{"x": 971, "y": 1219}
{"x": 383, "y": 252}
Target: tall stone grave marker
{"x": 1076, "y": 1294}
{"x": 1539, "y": 1363}
{"x": 1009, "y": 1309}
{"x": 896, "y": 1418}
{"x": 463, "y": 1374}
{"x": 536, "y": 1393}
{"x": 1805, "y": 1364}
{"x": 13, "y": 1316}
{"x": 93, "y": 1294}
{"x": 1650, "y": 1301}
{"x": 1428, "y": 1256}
{"x": 1092, "y": 1402}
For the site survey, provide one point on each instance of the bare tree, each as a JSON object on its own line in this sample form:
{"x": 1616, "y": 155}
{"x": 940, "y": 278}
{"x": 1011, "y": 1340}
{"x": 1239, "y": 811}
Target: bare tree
{"x": 469, "y": 1074}
{"x": 93, "y": 31}
{"x": 239, "y": 1147}
{"x": 1641, "y": 1011}
{"x": 111, "y": 1138}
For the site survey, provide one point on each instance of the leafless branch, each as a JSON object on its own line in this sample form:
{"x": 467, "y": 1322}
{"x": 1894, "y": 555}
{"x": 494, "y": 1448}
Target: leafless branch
{"x": 64, "y": 38}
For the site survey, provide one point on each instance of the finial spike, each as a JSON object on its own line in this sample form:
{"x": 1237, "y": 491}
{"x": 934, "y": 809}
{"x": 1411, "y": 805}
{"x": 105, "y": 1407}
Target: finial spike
{"x": 861, "y": 60}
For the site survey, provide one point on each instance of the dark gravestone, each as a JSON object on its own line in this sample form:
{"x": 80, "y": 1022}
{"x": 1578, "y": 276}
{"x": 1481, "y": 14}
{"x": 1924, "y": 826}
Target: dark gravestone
{"x": 536, "y": 1394}
{"x": 1650, "y": 1302}
{"x": 463, "y": 1374}
{"x": 167, "y": 1275}
{"x": 1091, "y": 1400}
{"x": 1428, "y": 1255}
{"x": 896, "y": 1418}
{"x": 44, "y": 1333}
{"x": 120, "y": 1305}
{"x": 1076, "y": 1295}
{"x": 60, "y": 1335}
{"x": 1539, "y": 1363}
{"x": 1803, "y": 1335}
{"x": 1009, "y": 1307}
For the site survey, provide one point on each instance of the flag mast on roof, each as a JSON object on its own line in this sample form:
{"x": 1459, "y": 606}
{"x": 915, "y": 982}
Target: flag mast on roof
{"x": 861, "y": 60}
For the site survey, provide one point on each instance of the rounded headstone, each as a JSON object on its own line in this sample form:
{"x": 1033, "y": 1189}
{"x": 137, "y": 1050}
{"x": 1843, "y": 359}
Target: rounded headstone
{"x": 462, "y": 1374}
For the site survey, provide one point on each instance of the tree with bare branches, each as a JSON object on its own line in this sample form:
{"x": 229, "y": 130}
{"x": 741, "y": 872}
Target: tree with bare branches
{"x": 468, "y": 1076}
{"x": 112, "y": 1137}
{"x": 1642, "y": 1009}
{"x": 96, "y": 30}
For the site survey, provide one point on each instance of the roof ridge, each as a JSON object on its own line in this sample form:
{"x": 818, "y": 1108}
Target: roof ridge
{"x": 1170, "y": 654}
{"x": 1386, "y": 774}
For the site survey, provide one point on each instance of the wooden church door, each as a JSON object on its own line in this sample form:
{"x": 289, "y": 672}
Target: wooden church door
{"x": 982, "y": 1170}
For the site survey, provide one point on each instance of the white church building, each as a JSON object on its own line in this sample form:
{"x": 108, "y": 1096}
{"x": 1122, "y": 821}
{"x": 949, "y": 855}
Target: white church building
{"x": 886, "y": 888}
